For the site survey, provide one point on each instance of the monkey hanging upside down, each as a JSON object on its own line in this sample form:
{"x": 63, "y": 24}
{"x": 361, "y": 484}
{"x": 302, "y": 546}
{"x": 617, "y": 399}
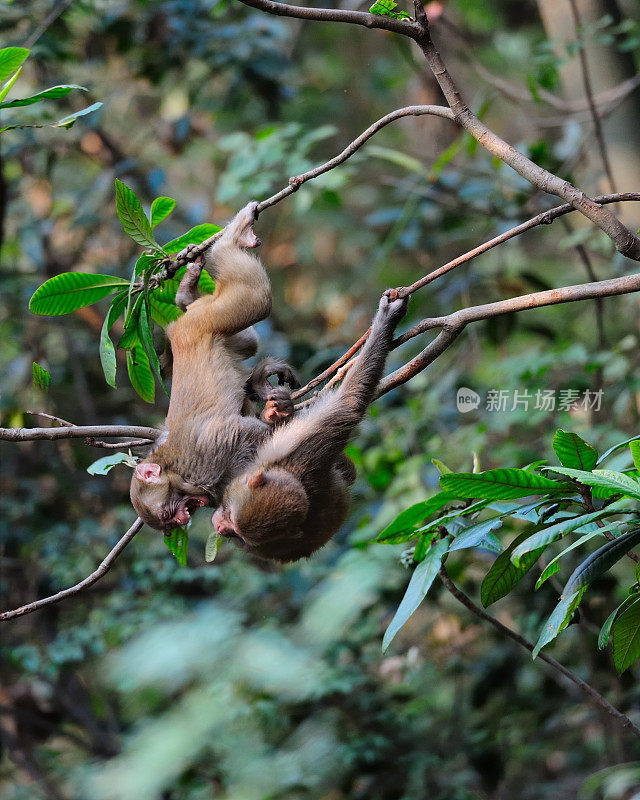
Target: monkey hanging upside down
{"x": 211, "y": 434}
{"x": 294, "y": 495}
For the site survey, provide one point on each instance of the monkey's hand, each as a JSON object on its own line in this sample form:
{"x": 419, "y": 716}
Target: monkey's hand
{"x": 188, "y": 289}
{"x": 279, "y": 407}
{"x": 240, "y": 229}
{"x": 258, "y": 382}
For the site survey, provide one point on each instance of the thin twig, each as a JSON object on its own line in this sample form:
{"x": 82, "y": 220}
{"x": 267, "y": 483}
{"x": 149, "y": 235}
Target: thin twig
{"x": 104, "y": 567}
{"x": 65, "y": 423}
{"x": 91, "y": 442}
{"x": 594, "y": 696}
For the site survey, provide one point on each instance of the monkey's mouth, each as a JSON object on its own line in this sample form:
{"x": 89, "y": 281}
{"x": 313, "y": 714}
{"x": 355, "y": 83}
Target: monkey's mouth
{"x": 187, "y": 507}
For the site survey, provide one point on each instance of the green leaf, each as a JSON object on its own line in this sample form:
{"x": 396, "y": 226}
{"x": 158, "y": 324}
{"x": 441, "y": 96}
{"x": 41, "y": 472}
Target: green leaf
{"x": 178, "y": 543}
{"x": 107, "y": 350}
{"x": 635, "y": 453}
{"x": 607, "y": 478}
{"x": 67, "y": 122}
{"x": 140, "y": 373}
{"x": 551, "y": 569}
{"x": 396, "y": 157}
{"x": 615, "y": 447}
{"x": 504, "y": 574}
{"x": 476, "y": 535}
{"x": 605, "y": 630}
{"x": 196, "y": 235}
{"x": 600, "y": 561}
{"x": 553, "y": 566}
{"x": 7, "y": 87}
{"x": 403, "y": 527}
{"x": 41, "y": 378}
{"x": 385, "y": 8}
{"x": 572, "y": 451}
{"x": 103, "y": 465}
{"x": 212, "y": 546}
{"x": 130, "y": 335}
{"x": 10, "y": 59}
{"x": 147, "y": 343}
{"x": 559, "y": 529}
{"x": 163, "y": 311}
{"x": 420, "y": 583}
{"x": 69, "y": 291}
{"x": 147, "y": 261}
{"x": 132, "y": 216}
{"x": 442, "y": 468}
{"x": 626, "y": 637}
{"x": 160, "y": 209}
{"x": 206, "y": 284}
{"x": 559, "y": 619}
{"x": 48, "y": 94}
{"x": 499, "y": 484}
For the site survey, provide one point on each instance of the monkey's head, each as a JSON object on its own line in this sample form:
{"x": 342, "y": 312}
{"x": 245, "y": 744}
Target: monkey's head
{"x": 161, "y": 498}
{"x": 262, "y": 511}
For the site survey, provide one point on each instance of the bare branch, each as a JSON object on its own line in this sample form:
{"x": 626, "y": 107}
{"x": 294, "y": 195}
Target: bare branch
{"x": 76, "y": 432}
{"x": 592, "y": 694}
{"x": 91, "y": 442}
{"x": 59, "y": 420}
{"x": 296, "y": 182}
{"x": 104, "y": 567}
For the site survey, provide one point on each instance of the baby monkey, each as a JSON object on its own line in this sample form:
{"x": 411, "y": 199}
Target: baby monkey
{"x": 212, "y": 434}
{"x": 294, "y": 496}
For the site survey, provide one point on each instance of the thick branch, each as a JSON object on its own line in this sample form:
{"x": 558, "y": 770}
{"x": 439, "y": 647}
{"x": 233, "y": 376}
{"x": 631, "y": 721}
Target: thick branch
{"x": 104, "y": 567}
{"x": 594, "y": 696}
{"x": 76, "y": 432}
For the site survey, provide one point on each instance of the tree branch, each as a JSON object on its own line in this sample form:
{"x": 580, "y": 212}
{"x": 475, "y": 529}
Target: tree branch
{"x": 102, "y": 570}
{"x": 594, "y": 696}
{"x": 76, "y": 432}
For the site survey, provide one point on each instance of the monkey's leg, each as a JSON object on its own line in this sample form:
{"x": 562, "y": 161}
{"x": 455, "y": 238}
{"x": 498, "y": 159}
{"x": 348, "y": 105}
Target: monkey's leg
{"x": 244, "y": 344}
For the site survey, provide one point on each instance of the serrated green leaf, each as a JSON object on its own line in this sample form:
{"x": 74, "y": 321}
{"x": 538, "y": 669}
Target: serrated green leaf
{"x": 554, "y": 566}
{"x": 573, "y": 451}
{"x": 206, "y": 284}
{"x": 163, "y": 311}
{"x": 196, "y": 235}
{"x": 442, "y": 468}
{"x": 213, "y": 545}
{"x": 600, "y": 561}
{"x": 498, "y": 484}
{"x": 140, "y": 373}
{"x": 10, "y": 59}
{"x": 559, "y": 619}
{"x": 69, "y": 291}
{"x": 107, "y": 350}
{"x": 160, "y": 209}
{"x": 103, "y": 465}
{"x": 635, "y": 453}
{"x": 556, "y": 531}
{"x": 403, "y": 527}
{"x": 132, "y": 216}
{"x": 52, "y": 93}
{"x": 385, "y": 8}
{"x": 626, "y": 637}
{"x": 41, "y": 378}
{"x": 607, "y": 478}
{"x": 605, "y": 630}
{"x": 147, "y": 261}
{"x": 504, "y": 574}
{"x": 421, "y": 580}
{"x": 178, "y": 544}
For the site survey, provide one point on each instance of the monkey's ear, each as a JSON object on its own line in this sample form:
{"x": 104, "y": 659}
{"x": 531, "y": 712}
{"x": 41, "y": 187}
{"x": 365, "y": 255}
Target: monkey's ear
{"x": 148, "y": 473}
{"x": 256, "y": 479}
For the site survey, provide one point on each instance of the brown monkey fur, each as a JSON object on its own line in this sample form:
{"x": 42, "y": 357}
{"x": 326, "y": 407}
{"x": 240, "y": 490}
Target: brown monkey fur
{"x": 294, "y": 496}
{"x": 210, "y": 433}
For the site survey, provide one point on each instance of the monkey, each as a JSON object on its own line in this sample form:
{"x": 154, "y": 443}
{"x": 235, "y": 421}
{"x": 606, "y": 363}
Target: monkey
{"x": 210, "y": 433}
{"x": 294, "y": 496}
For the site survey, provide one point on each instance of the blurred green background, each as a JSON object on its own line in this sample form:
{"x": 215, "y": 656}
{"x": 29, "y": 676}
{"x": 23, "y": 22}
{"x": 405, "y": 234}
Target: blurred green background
{"x": 244, "y": 680}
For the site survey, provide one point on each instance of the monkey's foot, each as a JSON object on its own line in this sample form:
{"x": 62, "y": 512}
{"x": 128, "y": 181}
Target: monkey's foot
{"x": 279, "y": 407}
{"x": 241, "y": 226}
{"x": 393, "y": 306}
{"x": 188, "y": 289}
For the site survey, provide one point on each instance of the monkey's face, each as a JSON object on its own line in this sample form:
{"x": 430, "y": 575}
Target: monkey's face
{"x": 162, "y": 499}
{"x": 261, "y": 510}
